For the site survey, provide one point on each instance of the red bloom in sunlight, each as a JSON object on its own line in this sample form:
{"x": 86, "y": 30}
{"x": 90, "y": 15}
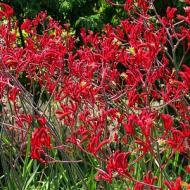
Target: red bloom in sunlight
{"x": 186, "y": 75}
{"x": 41, "y": 120}
{"x": 177, "y": 141}
{"x": 185, "y": 17}
{"x": 26, "y": 25}
{"x": 174, "y": 185}
{"x": 143, "y": 5}
{"x": 170, "y": 12}
{"x": 102, "y": 175}
{"x": 39, "y": 140}
{"x": 129, "y": 5}
{"x": 65, "y": 112}
{"x": 129, "y": 127}
{"x": 149, "y": 179}
{"x": 13, "y": 94}
{"x": 7, "y": 10}
{"x": 167, "y": 121}
{"x": 187, "y": 169}
{"x": 118, "y": 163}
{"x": 94, "y": 145}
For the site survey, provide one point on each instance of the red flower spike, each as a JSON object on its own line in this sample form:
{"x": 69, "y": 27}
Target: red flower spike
{"x": 7, "y": 10}
{"x": 187, "y": 169}
{"x": 174, "y": 185}
{"x": 42, "y": 121}
{"x": 170, "y": 13}
{"x": 185, "y": 17}
{"x": 129, "y": 5}
{"x": 177, "y": 141}
{"x": 13, "y": 94}
{"x": 40, "y": 139}
{"x": 148, "y": 180}
{"x": 143, "y": 5}
{"x": 186, "y": 75}
{"x": 118, "y": 163}
{"x": 167, "y": 121}
{"x": 102, "y": 175}
{"x": 94, "y": 146}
